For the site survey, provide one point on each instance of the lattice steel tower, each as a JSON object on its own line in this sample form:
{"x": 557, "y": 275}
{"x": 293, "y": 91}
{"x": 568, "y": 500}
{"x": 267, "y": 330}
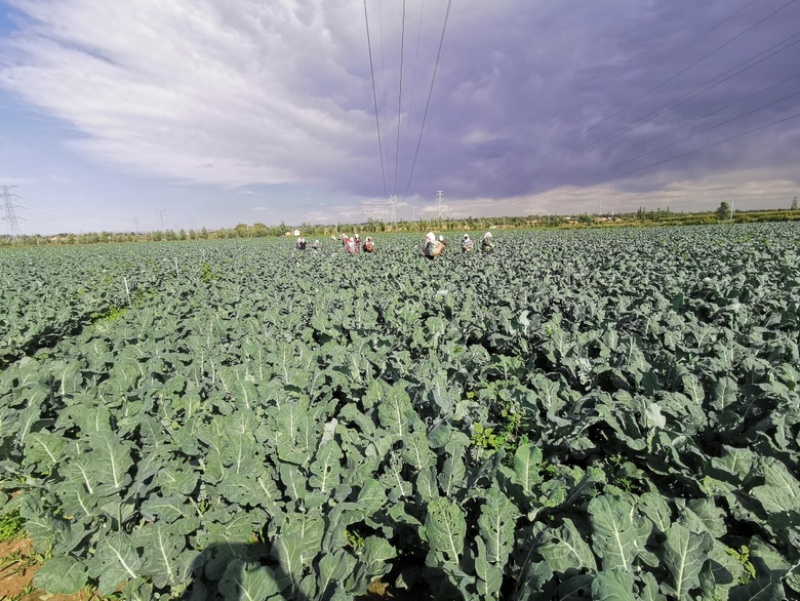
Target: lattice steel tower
{"x": 10, "y": 216}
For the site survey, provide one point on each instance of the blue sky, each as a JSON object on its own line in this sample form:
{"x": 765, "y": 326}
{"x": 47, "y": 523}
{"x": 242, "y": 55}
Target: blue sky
{"x": 192, "y": 113}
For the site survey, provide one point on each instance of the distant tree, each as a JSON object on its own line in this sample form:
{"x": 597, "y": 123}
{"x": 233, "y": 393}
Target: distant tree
{"x": 241, "y": 231}
{"x": 794, "y": 204}
{"x": 259, "y": 230}
{"x": 724, "y": 211}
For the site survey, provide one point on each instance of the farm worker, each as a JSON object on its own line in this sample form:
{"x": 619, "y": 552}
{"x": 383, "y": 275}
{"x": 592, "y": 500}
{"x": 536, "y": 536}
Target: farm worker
{"x": 316, "y": 245}
{"x": 466, "y": 244}
{"x": 486, "y": 244}
{"x": 429, "y": 245}
{"x": 350, "y": 246}
{"x": 432, "y": 247}
{"x": 301, "y": 244}
{"x": 369, "y": 245}
{"x": 443, "y": 242}
{"x": 357, "y": 242}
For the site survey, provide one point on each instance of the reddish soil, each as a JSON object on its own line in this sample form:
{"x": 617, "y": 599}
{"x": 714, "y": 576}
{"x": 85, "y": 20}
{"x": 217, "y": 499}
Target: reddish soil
{"x": 17, "y": 567}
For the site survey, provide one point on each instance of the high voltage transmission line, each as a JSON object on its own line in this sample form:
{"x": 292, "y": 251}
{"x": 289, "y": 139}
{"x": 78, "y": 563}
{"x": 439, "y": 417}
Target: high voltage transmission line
{"x": 379, "y": 130}
{"x": 660, "y": 111}
{"x": 683, "y": 49}
{"x": 706, "y": 86}
{"x": 375, "y": 100}
{"x": 430, "y": 94}
{"x": 687, "y": 153}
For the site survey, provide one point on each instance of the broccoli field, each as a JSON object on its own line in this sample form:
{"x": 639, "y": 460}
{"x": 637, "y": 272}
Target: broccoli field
{"x": 590, "y": 414}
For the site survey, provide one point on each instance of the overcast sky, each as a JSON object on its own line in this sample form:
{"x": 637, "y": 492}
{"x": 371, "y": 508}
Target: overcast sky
{"x": 189, "y": 113}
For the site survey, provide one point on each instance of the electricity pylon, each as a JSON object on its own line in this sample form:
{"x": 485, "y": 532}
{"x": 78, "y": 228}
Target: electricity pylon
{"x": 10, "y": 216}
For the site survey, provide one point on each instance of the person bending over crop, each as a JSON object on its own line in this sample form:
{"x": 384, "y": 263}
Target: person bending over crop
{"x": 350, "y": 246}
{"x": 432, "y": 247}
{"x": 466, "y": 244}
{"x": 487, "y": 245}
{"x": 301, "y": 244}
{"x": 369, "y": 245}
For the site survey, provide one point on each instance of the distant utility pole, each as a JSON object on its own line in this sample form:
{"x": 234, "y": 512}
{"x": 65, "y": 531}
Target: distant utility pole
{"x": 10, "y": 216}
{"x": 161, "y": 215}
{"x": 393, "y": 204}
{"x": 439, "y": 197}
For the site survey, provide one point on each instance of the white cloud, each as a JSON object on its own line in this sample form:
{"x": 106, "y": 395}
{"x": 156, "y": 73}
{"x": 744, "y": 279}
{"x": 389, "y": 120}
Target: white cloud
{"x": 205, "y": 91}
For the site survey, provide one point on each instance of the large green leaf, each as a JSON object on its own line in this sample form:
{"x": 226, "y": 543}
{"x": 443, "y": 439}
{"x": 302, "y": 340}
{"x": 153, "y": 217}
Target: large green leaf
{"x": 334, "y": 568}
{"x": 44, "y": 449}
{"x": 684, "y": 554}
{"x": 781, "y": 490}
{"x": 490, "y": 575}
{"x": 297, "y": 544}
{"x": 618, "y": 531}
{"x": 613, "y": 585}
{"x": 395, "y": 411}
{"x": 326, "y": 467}
{"x": 115, "y": 562}
{"x": 108, "y": 463}
{"x": 165, "y": 562}
{"x": 765, "y": 588}
{"x": 417, "y": 452}
{"x": 61, "y": 575}
{"x": 497, "y": 525}
{"x": 451, "y": 478}
{"x": 565, "y": 548}
{"x": 245, "y": 581}
{"x": 527, "y": 461}
{"x": 655, "y": 507}
{"x": 445, "y": 529}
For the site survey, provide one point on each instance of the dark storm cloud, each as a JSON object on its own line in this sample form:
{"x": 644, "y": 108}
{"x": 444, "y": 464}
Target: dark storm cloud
{"x": 587, "y": 93}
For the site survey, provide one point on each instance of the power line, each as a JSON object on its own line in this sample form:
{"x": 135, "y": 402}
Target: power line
{"x": 650, "y": 91}
{"x": 714, "y": 112}
{"x": 683, "y": 49}
{"x": 393, "y": 215}
{"x": 400, "y": 99}
{"x": 414, "y": 76}
{"x": 739, "y": 135}
{"x": 678, "y": 156}
{"x": 695, "y": 134}
{"x": 428, "y": 102}
{"x": 40, "y": 213}
{"x": 701, "y": 89}
{"x": 637, "y": 99}
{"x": 375, "y": 100}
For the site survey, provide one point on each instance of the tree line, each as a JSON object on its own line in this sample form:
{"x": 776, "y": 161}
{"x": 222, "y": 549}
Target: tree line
{"x": 641, "y": 217}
